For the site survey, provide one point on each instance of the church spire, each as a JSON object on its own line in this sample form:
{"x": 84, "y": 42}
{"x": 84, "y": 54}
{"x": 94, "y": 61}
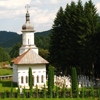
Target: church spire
{"x": 27, "y": 14}
{"x": 27, "y": 26}
{"x": 27, "y": 35}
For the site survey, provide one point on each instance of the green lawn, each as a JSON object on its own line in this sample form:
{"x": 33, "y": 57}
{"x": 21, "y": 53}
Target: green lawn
{"x": 5, "y": 72}
{"x": 49, "y": 99}
{"x": 5, "y": 85}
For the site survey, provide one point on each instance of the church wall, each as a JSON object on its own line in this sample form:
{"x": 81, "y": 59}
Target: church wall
{"x": 38, "y": 72}
{"x": 28, "y": 38}
{"x": 15, "y": 73}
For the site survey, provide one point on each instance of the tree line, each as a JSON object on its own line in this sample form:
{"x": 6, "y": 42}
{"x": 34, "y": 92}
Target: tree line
{"x": 75, "y": 39}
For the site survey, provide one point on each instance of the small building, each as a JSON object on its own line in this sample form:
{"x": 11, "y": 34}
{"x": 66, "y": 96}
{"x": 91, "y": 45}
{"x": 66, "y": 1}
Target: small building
{"x": 29, "y": 57}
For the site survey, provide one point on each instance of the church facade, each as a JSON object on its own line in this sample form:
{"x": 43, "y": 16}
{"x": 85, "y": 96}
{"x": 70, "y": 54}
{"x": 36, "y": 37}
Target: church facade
{"x": 29, "y": 57}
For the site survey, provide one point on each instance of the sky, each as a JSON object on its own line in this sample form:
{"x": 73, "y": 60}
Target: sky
{"x": 42, "y": 13}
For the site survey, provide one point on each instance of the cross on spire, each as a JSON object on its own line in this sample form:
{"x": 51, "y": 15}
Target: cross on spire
{"x": 27, "y": 6}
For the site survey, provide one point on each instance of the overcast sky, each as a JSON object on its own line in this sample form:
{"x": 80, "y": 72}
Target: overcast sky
{"x": 42, "y": 13}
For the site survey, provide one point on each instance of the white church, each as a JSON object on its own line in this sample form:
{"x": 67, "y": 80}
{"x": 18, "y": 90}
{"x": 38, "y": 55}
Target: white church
{"x": 29, "y": 57}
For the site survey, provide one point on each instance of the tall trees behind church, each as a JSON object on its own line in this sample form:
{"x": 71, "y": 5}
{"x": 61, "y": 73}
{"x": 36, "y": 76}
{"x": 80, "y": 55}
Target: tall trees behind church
{"x": 71, "y": 39}
{"x": 4, "y": 56}
{"x": 15, "y": 50}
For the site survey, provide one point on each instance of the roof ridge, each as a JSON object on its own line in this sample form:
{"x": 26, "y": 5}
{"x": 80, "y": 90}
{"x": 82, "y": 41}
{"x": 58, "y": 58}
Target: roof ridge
{"x": 21, "y": 56}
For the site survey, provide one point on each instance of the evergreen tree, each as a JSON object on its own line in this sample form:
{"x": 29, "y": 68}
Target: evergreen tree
{"x": 50, "y": 78}
{"x": 44, "y": 91}
{"x": 56, "y": 39}
{"x": 98, "y": 93}
{"x": 57, "y": 94}
{"x": 74, "y": 80}
{"x": 82, "y": 92}
{"x": 71, "y": 93}
{"x": 37, "y": 91}
{"x": 30, "y": 81}
{"x": 64, "y": 91}
{"x": 18, "y": 92}
{"x": 24, "y": 92}
{"x": 71, "y": 41}
{"x": 92, "y": 92}
{"x": 11, "y": 92}
{"x": 91, "y": 15}
{"x": 5, "y": 94}
{"x": 50, "y": 91}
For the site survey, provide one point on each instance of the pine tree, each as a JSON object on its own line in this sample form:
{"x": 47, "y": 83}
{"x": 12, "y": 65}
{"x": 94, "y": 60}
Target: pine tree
{"x": 92, "y": 92}
{"x": 50, "y": 91}
{"x": 71, "y": 41}
{"x": 56, "y": 39}
{"x": 74, "y": 80}
{"x": 37, "y": 91}
{"x": 44, "y": 91}
{"x": 11, "y": 92}
{"x": 82, "y": 92}
{"x": 57, "y": 94}
{"x": 91, "y": 16}
{"x": 71, "y": 93}
{"x": 64, "y": 91}
{"x": 5, "y": 94}
{"x": 18, "y": 92}
{"x": 24, "y": 92}
{"x": 98, "y": 93}
{"x": 30, "y": 81}
{"x": 50, "y": 78}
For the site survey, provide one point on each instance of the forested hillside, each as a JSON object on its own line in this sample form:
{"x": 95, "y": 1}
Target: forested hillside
{"x": 6, "y": 36}
{"x": 8, "y": 39}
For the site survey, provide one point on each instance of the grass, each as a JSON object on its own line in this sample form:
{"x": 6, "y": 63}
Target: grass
{"x": 5, "y": 85}
{"x": 49, "y": 99}
{"x": 5, "y": 72}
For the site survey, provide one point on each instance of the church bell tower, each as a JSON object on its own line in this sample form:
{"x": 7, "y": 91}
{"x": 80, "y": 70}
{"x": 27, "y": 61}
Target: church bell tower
{"x": 27, "y": 36}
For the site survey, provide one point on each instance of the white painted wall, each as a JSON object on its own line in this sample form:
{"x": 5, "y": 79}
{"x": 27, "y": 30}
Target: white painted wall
{"x": 28, "y": 42}
{"x": 37, "y": 70}
{"x": 15, "y": 74}
{"x": 28, "y": 38}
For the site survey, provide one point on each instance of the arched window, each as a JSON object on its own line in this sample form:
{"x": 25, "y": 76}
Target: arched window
{"x": 42, "y": 79}
{"x": 37, "y": 79}
{"x": 26, "y": 79}
{"x": 21, "y": 79}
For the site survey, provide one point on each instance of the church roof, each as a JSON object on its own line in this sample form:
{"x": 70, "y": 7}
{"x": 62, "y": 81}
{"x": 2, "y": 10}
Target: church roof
{"x": 29, "y": 57}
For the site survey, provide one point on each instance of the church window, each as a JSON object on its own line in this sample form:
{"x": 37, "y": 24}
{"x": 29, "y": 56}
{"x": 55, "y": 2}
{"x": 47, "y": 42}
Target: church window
{"x": 37, "y": 79}
{"x": 21, "y": 79}
{"x": 26, "y": 79}
{"x": 42, "y": 78}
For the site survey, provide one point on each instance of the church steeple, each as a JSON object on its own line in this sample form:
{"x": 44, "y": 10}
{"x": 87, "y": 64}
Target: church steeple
{"x": 27, "y": 16}
{"x": 28, "y": 35}
{"x": 27, "y": 26}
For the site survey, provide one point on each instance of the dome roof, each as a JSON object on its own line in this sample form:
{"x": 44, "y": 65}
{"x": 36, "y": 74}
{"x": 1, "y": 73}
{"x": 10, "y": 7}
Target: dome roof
{"x": 28, "y": 26}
